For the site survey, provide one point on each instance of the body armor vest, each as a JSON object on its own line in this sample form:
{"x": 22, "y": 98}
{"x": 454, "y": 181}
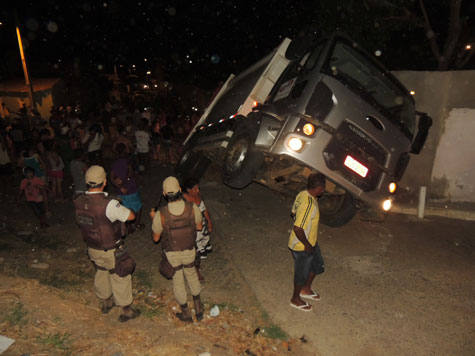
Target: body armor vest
{"x": 179, "y": 231}
{"x": 97, "y": 230}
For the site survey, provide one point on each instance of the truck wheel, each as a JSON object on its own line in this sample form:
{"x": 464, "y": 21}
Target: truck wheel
{"x": 192, "y": 164}
{"x": 336, "y": 210}
{"x": 242, "y": 161}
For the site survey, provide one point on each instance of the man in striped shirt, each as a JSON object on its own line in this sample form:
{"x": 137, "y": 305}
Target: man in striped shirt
{"x": 308, "y": 261}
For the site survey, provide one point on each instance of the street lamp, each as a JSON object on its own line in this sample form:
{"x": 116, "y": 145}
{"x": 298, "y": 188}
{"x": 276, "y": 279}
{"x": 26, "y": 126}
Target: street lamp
{"x": 25, "y": 68}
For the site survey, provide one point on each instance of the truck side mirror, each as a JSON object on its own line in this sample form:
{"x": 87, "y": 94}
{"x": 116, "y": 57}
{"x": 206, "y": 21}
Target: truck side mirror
{"x": 425, "y": 122}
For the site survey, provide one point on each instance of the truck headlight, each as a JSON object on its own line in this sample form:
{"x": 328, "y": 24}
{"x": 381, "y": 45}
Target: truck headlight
{"x": 295, "y": 144}
{"x": 387, "y": 204}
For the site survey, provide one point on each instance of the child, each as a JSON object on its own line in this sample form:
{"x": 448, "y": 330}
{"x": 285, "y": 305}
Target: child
{"x": 34, "y": 189}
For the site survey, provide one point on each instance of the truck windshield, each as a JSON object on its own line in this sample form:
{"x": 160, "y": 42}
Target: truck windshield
{"x": 354, "y": 69}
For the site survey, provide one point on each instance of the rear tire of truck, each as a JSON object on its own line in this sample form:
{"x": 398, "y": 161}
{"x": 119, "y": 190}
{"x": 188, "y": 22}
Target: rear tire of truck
{"x": 336, "y": 210}
{"x": 242, "y": 161}
{"x": 192, "y": 164}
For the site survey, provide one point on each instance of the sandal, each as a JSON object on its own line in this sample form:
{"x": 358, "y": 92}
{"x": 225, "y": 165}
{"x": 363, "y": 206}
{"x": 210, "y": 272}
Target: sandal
{"x": 304, "y": 307}
{"x": 314, "y": 296}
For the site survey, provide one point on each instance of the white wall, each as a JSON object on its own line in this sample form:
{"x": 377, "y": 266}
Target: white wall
{"x": 438, "y": 94}
{"x": 454, "y": 164}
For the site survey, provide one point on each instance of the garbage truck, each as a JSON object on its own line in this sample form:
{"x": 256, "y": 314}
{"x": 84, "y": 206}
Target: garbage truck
{"x": 319, "y": 103}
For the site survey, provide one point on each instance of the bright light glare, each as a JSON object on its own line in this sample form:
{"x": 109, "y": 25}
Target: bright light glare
{"x": 392, "y": 187}
{"x": 149, "y": 72}
{"x": 387, "y": 205}
{"x": 295, "y": 144}
{"x": 468, "y": 47}
{"x": 308, "y": 129}
{"x": 254, "y": 104}
{"x": 412, "y": 92}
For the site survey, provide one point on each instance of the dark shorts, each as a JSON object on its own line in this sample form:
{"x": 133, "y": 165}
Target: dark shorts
{"x": 38, "y": 208}
{"x": 305, "y": 263}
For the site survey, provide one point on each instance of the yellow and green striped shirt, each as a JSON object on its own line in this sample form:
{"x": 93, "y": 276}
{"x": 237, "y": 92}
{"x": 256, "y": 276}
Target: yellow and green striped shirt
{"x": 307, "y": 216}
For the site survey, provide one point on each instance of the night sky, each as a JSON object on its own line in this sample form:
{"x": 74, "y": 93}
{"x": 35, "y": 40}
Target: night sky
{"x": 195, "y": 41}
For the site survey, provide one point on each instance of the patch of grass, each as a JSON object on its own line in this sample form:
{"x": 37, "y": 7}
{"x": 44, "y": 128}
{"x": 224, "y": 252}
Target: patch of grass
{"x": 143, "y": 278}
{"x": 228, "y": 306}
{"x": 55, "y": 280}
{"x": 150, "y": 312}
{"x": 275, "y": 332}
{"x": 17, "y": 316}
{"x": 58, "y": 340}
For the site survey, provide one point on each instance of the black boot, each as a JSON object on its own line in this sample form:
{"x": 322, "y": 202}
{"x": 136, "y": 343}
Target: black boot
{"x": 198, "y": 307}
{"x": 128, "y": 313}
{"x": 185, "y": 314}
{"x": 107, "y": 305}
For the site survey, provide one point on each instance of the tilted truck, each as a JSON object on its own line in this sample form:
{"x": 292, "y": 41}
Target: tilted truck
{"x": 319, "y": 104}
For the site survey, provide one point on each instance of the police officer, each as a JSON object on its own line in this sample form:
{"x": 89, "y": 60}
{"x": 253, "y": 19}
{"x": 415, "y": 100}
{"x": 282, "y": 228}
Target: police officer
{"x": 101, "y": 220}
{"x": 176, "y": 223}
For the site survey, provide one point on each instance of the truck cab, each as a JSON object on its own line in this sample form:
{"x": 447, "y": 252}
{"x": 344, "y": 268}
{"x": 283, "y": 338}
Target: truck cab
{"x": 333, "y": 109}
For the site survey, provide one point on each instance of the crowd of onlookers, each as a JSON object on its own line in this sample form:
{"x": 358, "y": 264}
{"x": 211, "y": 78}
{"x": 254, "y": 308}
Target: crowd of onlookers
{"x": 71, "y": 140}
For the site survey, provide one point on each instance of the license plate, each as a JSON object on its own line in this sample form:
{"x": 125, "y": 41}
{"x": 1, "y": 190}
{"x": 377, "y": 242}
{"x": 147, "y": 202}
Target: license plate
{"x": 356, "y": 166}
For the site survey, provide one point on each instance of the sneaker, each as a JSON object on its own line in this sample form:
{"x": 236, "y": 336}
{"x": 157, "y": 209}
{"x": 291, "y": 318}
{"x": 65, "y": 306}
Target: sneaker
{"x": 204, "y": 255}
{"x": 209, "y": 248}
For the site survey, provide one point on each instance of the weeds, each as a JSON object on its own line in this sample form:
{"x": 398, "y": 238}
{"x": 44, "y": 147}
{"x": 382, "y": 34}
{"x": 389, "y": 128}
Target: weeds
{"x": 143, "y": 279}
{"x": 275, "y": 332}
{"x": 17, "y": 316}
{"x": 150, "y": 312}
{"x": 58, "y": 340}
{"x": 56, "y": 281}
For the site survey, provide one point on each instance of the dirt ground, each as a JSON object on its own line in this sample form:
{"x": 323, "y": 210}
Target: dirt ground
{"x": 48, "y": 305}
{"x": 399, "y": 287}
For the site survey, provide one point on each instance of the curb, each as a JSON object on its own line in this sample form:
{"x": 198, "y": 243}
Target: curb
{"x": 432, "y": 211}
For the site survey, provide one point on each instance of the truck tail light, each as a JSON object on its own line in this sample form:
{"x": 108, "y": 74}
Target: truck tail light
{"x": 356, "y": 166}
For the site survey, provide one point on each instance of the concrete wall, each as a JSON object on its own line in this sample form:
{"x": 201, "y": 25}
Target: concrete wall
{"x": 437, "y": 93}
{"x": 453, "y": 175}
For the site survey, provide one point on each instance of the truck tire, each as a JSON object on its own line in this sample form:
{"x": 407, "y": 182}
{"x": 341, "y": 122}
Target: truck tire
{"x": 241, "y": 160}
{"x": 192, "y": 164}
{"x": 336, "y": 210}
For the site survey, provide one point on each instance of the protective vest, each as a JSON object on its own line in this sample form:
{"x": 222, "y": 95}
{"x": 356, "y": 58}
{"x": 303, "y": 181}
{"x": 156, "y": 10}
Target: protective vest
{"x": 97, "y": 230}
{"x": 179, "y": 231}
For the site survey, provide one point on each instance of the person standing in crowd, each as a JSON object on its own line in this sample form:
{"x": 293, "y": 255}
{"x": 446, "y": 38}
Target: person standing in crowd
{"x": 124, "y": 139}
{"x": 177, "y": 223}
{"x": 203, "y": 246}
{"x": 142, "y": 139}
{"x": 6, "y": 170}
{"x": 4, "y": 112}
{"x": 34, "y": 190}
{"x": 101, "y": 221}
{"x": 55, "y": 171}
{"x": 78, "y": 169}
{"x": 308, "y": 261}
{"x": 125, "y": 183}
{"x": 156, "y": 139}
{"x": 92, "y": 141}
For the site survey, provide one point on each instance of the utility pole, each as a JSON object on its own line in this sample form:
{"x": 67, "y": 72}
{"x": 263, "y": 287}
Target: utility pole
{"x": 25, "y": 69}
